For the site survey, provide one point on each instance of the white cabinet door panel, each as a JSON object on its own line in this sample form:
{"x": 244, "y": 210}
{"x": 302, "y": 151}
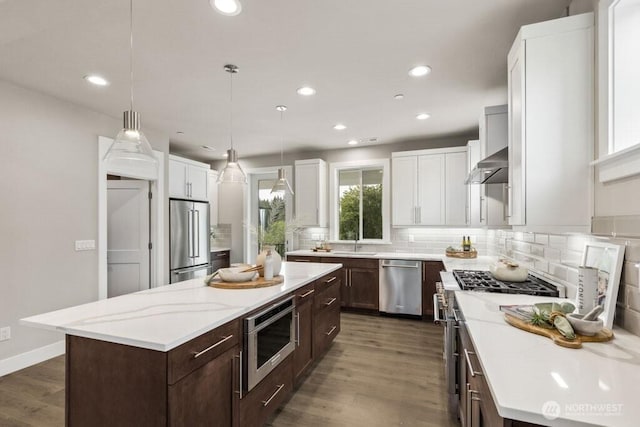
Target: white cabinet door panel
{"x": 455, "y": 188}
{"x": 404, "y": 172}
{"x": 198, "y": 180}
{"x": 178, "y": 179}
{"x": 431, "y": 189}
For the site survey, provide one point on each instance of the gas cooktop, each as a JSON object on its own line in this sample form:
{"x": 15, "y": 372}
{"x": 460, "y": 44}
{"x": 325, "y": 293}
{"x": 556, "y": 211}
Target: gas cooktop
{"x": 483, "y": 281}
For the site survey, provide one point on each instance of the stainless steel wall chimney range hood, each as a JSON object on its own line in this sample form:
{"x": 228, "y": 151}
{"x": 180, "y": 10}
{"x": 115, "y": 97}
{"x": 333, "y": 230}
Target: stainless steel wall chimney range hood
{"x": 491, "y": 170}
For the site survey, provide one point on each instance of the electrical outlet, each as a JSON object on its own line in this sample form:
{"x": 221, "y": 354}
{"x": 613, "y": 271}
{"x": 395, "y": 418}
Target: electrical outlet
{"x": 5, "y": 333}
{"x": 411, "y": 238}
{"x": 85, "y": 245}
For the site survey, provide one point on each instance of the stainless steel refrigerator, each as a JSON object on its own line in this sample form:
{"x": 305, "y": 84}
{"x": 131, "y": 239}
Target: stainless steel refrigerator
{"x": 188, "y": 239}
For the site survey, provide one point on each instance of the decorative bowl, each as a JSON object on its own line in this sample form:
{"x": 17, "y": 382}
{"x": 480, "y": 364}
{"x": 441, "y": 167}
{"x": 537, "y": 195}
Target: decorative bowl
{"x": 585, "y": 327}
{"x": 236, "y": 274}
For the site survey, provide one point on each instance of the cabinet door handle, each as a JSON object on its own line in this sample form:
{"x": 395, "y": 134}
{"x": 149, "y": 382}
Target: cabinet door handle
{"x": 211, "y": 347}
{"x": 298, "y": 329}
{"x": 278, "y": 388}
{"x": 331, "y": 301}
{"x": 509, "y": 204}
{"x": 239, "y": 356}
{"x": 350, "y": 278}
{"x": 466, "y": 356}
{"x": 306, "y": 294}
{"x": 333, "y": 328}
{"x": 482, "y": 199}
{"x": 331, "y": 280}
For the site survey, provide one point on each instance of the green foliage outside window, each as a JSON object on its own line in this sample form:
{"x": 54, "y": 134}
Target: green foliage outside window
{"x": 371, "y": 213}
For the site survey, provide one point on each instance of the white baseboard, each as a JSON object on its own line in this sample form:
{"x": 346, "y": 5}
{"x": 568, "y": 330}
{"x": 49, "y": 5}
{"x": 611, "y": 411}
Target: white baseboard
{"x": 29, "y": 358}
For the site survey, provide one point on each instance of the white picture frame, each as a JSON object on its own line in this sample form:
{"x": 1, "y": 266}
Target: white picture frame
{"x": 608, "y": 259}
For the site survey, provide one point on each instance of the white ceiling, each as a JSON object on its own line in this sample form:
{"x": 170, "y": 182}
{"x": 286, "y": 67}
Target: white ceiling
{"x": 356, "y": 53}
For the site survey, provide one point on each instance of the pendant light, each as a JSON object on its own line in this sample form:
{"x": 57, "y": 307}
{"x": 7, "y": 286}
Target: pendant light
{"x": 232, "y": 172}
{"x": 130, "y": 154}
{"x": 281, "y": 185}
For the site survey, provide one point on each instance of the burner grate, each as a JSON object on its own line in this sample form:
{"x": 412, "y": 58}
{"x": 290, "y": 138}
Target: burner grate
{"x": 482, "y": 281}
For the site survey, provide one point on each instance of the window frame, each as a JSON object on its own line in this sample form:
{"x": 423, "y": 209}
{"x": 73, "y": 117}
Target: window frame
{"x": 334, "y": 222}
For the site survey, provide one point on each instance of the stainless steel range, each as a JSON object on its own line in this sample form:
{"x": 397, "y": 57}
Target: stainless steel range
{"x": 483, "y": 281}
{"x": 448, "y": 315}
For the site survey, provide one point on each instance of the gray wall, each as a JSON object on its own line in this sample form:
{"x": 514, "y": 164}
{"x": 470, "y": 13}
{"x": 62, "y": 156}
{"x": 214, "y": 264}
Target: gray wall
{"x": 49, "y": 196}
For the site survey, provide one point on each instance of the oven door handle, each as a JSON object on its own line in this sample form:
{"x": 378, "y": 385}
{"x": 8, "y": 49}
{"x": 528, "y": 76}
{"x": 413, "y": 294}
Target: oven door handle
{"x": 436, "y": 310}
{"x": 271, "y": 320}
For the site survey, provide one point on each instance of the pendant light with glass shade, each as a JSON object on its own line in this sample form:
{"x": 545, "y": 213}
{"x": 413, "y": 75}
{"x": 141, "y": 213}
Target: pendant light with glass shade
{"x": 232, "y": 172}
{"x": 281, "y": 185}
{"x": 130, "y": 154}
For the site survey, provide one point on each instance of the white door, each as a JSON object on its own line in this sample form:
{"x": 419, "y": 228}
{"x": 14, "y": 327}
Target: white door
{"x": 127, "y": 236}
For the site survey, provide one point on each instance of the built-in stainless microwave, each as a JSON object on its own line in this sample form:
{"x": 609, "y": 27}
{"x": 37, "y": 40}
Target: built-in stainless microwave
{"x": 269, "y": 339}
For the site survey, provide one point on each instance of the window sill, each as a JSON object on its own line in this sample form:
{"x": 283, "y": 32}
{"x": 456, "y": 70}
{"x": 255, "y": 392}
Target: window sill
{"x": 360, "y": 242}
{"x": 621, "y": 164}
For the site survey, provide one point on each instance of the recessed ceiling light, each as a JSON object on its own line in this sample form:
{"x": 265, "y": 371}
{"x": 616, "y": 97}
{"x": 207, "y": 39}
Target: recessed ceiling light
{"x": 420, "y": 70}
{"x": 96, "y": 80}
{"x": 281, "y": 108}
{"x": 339, "y": 126}
{"x": 226, "y": 7}
{"x": 306, "y": 91}
{"x": 422, "y": 116}
{"x": 398, "y": 96}
{"x": 353, "y": 142}
{"x": 208, "y": 148}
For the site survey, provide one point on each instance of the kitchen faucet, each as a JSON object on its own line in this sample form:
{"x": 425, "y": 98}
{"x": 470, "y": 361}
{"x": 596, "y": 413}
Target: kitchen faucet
{"x": 355, "y": 244}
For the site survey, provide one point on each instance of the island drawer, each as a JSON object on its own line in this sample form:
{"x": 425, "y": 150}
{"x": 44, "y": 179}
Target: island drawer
{"x": 305, "y": 293}
{"x": 328, "y": 280}
{"x": 303, "y": 258}
{"x": 326, "y": 297}
{"x": 267, "y": 396}
{"x": 327, "y": 326}
{"x": 195, "y": 353}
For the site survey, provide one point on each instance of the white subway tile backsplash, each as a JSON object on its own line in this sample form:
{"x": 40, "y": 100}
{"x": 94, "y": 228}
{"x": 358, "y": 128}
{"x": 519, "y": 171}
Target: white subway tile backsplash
{"x": 557, "y": 241}
{"x": 529, "y": 237}
{"x": 630, "y": 274}
{"x": 558, "y": 270}
{"x": 542, "y": 239}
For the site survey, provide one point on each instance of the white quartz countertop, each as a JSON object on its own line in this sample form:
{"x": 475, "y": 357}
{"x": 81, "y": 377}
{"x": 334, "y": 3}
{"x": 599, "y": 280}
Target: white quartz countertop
{"x": 163, "y": 318}
{"x": 528, "y": 374}
{"x": 479, "y": 263}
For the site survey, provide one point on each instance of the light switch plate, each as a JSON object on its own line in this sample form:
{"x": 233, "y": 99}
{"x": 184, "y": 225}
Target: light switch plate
{"x": 85, "y": 245}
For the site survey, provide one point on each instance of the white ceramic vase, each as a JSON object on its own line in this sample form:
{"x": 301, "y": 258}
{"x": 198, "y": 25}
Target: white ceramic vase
{"x": 277, "y": 259}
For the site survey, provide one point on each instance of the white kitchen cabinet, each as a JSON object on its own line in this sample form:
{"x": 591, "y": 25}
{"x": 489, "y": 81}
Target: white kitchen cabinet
{"x": 311, "y": 193}
{"x": 213, "y": 197}
{"x": 476, "y": 191}
{"x": 188, "y": 179}
{"x": 428, "y": 187}
{"x": 551, "y": 124}
{"x": 494, "y": 136}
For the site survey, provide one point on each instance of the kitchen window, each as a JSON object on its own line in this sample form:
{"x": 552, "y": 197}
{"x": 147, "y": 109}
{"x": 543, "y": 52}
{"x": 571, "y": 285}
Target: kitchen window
{"x": 618, "y": 69}
{"x": 359, "y": 194}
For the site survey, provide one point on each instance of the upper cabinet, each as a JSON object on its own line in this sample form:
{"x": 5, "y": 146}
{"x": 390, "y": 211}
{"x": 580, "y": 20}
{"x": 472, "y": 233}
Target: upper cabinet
{"x": 188, "y": 179}
{"x": 428, "y": 187}
{"x": 551, "y": 124}
{"x": 311, "y": 193}
{"x": 494, "y": 136}
{"x": 213, "y": 196}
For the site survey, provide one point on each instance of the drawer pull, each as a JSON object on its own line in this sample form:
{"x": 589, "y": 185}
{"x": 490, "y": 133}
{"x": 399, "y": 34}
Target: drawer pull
{"x": 301, "y": 260}
{"x": 211, "y": 347}
{"x": 331, "y": 301}
{"x": 266, "y": 402}
{"x": 333, "y": 328}
{"x": 331, "y": 280}
{"x": 306, "y": 294}
{"x": 473, "y": 371}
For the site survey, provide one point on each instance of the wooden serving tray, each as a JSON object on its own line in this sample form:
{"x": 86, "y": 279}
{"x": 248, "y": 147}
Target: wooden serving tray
{"x": 462, "y": 254}
{"x": 602, "y": 336}
{"x": 259, "y": 283}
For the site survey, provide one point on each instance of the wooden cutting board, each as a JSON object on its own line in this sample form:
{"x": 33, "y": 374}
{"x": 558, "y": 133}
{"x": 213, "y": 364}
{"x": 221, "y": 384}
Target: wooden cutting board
{"x": 602, "y": 336}
{"x": 259, "y": 283}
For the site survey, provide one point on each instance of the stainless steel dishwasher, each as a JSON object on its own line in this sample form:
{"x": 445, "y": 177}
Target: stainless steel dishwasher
{"x": 400, "y": 287}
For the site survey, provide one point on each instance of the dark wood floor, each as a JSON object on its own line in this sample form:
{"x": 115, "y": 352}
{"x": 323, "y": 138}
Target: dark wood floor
{"x": 379, "y": 372}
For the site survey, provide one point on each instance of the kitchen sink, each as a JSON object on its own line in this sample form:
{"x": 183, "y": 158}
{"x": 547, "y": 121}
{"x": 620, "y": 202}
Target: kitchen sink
{"x": 353, "y": 253}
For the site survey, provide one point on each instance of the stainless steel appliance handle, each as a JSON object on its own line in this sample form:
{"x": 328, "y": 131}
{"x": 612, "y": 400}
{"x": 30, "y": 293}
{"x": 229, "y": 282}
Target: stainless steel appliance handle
{"x": 278, "y": 388}
{"x": 266, "y": 310}
{"x": 190, "y": 233}
{"x": 333, "y": 328}
{"x": 416, "y": 265}
{"x": 211, "y": 347}
{"x": 196, "y": 221}
{"x": 455, "y": 315}
{"x": 466, "y": 356}
{"x": 436, "y": 310}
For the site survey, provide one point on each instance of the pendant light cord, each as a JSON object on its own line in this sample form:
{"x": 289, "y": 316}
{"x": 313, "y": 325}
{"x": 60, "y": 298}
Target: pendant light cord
{"x": 281, "y": 141}
{"x": 131, "y": 51}
{"x": 231, "y": 109}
